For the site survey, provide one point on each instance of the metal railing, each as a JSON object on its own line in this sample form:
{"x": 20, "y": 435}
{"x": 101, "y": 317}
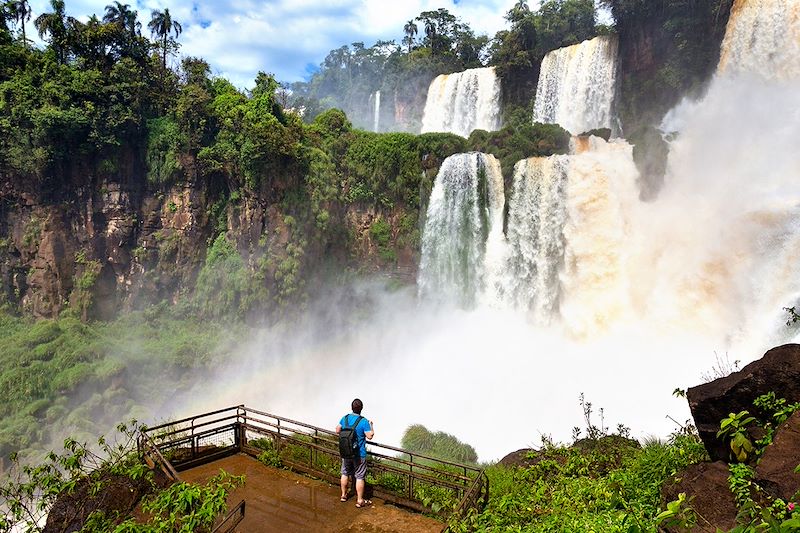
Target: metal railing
{"x": 231, "y": 520}
{"x": 404, "y": 478}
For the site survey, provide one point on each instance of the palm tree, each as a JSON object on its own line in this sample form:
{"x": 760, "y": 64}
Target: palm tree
{"x": 55, "y": 25}
{"x": 410, "y": 30}
{"x": 430, "y": 33}
{"x": 20, "y": 12}
{"x": 121, "y": 14}
{"x": 161, "y": 24}
{"x": 518, "y": 12}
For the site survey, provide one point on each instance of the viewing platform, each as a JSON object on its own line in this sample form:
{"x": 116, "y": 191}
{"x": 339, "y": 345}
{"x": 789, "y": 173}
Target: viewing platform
{"x": 410, "y": 492}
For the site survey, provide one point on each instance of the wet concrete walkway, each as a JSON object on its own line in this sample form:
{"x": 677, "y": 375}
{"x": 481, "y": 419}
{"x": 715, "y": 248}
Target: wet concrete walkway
{"x": 280, "y": 501}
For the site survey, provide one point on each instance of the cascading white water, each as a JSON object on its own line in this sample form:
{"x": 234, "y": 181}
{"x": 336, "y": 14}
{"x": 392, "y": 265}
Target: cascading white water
{"x": 376, "y": 113}
{"x": 763, "y": 37}
{"x": 462, "y": 102}
{"x": 464, "y": 218}
{"x": 567, "y": 223}
{"x": 576, "y": 85}
{"x": 536, "y": 217}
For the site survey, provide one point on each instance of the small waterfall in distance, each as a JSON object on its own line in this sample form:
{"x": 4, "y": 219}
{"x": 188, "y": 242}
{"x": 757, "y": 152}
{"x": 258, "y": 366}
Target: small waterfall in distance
{"x": 464, "y": 218}
{"x": 376, "y": 114}
{"x": 462, "y": 102}
{"x": 576, "y": 86}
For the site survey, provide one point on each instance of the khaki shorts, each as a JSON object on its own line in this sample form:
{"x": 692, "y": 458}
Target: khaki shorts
{"x": 356, "y": 466}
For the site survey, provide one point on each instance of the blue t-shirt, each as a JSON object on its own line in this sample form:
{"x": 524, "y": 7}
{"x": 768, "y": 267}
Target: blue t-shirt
{"x": 363, "y": 426}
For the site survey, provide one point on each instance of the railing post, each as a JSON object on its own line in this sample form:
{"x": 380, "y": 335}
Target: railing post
{"x": 411, "y": 477}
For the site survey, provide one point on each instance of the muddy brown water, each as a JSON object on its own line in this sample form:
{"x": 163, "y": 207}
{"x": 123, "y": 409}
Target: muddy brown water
{"x": 280, "y": 501}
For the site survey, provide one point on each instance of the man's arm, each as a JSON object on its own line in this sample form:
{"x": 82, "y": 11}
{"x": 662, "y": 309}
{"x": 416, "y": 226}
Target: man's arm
{"x": 371, "y": 433}
{"x": 338, "y": 428}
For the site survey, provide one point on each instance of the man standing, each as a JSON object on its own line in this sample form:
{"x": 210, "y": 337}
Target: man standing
{"x": 357, "y": 465}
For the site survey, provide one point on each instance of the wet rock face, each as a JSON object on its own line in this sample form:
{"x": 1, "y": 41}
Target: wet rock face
{"x": 706, "y": 488}
{"x": 778, "y": 371}
{"x": 99, "y": 244}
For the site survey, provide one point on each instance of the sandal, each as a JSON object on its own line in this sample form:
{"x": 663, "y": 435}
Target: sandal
{"x": 343, "y": 499}
{"x": 364, "y": 503}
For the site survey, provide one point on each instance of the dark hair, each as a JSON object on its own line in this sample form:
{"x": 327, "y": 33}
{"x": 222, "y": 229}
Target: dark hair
{"x": 357, "y": 405}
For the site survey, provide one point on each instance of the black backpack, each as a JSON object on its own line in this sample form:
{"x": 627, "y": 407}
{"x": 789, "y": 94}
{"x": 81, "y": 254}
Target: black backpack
{"x": 348, "y": 441}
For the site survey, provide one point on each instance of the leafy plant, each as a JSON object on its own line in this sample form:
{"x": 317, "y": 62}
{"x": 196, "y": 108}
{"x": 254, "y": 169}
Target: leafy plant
{"x": 733, "y": 428}
{"x": 678, "y": 514}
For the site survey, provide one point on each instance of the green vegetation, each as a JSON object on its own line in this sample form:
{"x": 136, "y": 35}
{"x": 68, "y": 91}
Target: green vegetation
{"x": 735, "y": 428}
{"x": 81, "y": 475}
{"x": 64, "y": 373}
{"x": 440, "y": 445}
{"x": 613, "y": 486}
{"x": 520, "y": 140}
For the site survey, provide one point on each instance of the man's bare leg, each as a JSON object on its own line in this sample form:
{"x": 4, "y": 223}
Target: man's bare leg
{"x": 360, "y": 490}
{"x": 344, "y": 482}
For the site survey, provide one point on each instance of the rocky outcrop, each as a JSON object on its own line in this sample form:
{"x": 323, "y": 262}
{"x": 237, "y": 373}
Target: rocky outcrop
{"x": 775, "y": 472}
{"x": 706, "y": 488}
{"x": 100, "y": 246}
{"x": 100, "y": 242}
{"x": 521, "y": 458}
{"x": 778, "y": 371}
{"x": 116, "y": 494}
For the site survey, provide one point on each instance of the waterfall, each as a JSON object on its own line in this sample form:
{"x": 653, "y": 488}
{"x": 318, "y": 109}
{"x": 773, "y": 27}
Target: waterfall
{"x": 536, "y": 217}
{"x": 565, "y": 221}
{"x": 566, "y": 231}
{"x": 576, "y": 86}
{"x": 737, "y": 174}
{"x": 376, "y": 114}
{"x": 763, "y": 37}
{"x": 464, "y": 219}
{"x": 461, "y": 102}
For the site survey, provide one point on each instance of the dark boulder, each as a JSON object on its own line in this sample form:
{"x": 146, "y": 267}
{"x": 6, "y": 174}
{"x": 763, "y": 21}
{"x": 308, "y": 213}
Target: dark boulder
{"x": 775, "y": 471}
{"x": 706, "y": 488}
{"x": 117, "y": 496}
{"x": 520, "y": 459}
{"x": 778, "y": 371}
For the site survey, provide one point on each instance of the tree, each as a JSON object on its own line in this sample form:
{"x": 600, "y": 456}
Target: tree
{"x": 410, "y": 29}
{"x": 20, "y": 12}
{"x": 91, "y": 42}
{"x": 161, "y": 24}
{"x": 430, "y": 32}
{"x": 122, "y": 15}
{"x": 518, "y": 12}
{"x": 125, "y": 31}
{"x": 54, "y": 25}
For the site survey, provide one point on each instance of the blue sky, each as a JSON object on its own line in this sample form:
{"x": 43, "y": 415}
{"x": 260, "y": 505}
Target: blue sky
{"x": 289, "y": 38}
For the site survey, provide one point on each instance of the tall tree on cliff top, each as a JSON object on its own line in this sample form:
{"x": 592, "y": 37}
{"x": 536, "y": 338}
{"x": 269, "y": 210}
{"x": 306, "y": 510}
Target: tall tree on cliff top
{"x": 127, "y": 37}
{"x": 20, "y": 12}
{"x": 410, "y": 29}
{"x": 122, "y": 15}
{"x": 55, "y": 25}
{"x": 161, "y": 24}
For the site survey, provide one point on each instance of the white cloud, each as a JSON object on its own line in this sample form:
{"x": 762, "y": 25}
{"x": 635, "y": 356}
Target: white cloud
{"x": 286, "y": 36}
